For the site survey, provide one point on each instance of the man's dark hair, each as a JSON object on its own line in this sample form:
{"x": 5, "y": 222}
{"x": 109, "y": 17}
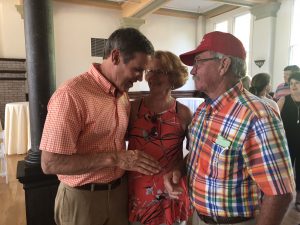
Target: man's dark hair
{"x": 128, "y": 41}
{"x": 293, "y": 68}
{"x": 295, "y": 76}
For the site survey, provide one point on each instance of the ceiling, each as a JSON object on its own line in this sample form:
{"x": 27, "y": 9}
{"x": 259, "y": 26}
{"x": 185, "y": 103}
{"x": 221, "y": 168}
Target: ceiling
{"x": 203, "y": 6}
{"x": 198, "y": 6}
{"x": 141, "y": 8}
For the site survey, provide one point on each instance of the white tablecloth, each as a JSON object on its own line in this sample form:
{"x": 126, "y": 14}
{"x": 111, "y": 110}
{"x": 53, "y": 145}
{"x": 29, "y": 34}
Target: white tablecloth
{"x": 192, "y": 103}
{"x": 17, "y": 128}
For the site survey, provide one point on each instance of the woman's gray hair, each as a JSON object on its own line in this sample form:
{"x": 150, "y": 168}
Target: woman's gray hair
{"x": 237, "y": 66}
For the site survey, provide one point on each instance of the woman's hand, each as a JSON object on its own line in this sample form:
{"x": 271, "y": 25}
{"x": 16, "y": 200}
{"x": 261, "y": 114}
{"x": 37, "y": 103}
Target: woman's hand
{"x": 171, "y": 182}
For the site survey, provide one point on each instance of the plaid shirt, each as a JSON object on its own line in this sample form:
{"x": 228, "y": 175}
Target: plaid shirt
{"x": 238, "y": 150}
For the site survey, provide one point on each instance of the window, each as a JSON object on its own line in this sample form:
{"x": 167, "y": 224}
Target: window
{"x": 295, "y": 36}
{"x": 222, "y": 26}
{"x": 239, "y": 23}
{"x": 242, "y": 27}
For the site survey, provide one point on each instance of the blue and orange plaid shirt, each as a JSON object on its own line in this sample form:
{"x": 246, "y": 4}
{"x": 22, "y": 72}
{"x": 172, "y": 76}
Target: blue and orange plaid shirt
{"x": 238, "y": 150}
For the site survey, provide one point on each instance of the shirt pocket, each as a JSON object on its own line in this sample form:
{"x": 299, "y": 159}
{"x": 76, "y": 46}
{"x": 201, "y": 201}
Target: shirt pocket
{"x": 222, "y": 162}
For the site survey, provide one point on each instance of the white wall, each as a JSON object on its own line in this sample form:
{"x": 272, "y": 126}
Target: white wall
{"x": 282, "y": 41}
{"x": 172, "y": 34}
{"x": 263, "y": 42}
{"x": 12, "y": 41}
{"x": 75, "y": 25}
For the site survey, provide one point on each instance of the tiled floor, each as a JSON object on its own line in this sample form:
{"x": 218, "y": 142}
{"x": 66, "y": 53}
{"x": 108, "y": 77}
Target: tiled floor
{"x": 13, "y": 206}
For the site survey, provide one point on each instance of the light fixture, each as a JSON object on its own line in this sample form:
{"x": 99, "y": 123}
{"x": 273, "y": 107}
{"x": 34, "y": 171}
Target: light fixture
{"x": 259, "y": 62}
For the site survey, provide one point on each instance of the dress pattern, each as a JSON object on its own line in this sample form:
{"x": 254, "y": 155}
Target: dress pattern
{"x": 161, "y": 136}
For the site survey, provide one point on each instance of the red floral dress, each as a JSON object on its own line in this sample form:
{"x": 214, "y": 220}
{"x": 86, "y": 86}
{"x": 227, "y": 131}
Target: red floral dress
{"x": 161, "y": 136}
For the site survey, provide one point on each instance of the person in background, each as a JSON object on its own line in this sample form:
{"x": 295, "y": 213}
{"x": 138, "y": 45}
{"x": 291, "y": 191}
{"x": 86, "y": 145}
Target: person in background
{"x": 246, "y": 81}
{"x": 158, "y": 125}
{"x": 290, "y": 114}
{"x": 83, "y": 140}
{"x": 283, "y": 89}
{"x": 237, "y": 146}
{"x": 260, "y": 86}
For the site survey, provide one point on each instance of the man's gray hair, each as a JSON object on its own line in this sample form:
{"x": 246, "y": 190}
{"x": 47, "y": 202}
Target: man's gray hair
{"x": 237, "y": 67}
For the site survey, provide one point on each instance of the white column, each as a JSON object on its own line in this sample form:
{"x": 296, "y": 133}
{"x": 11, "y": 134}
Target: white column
{"x": 263, "y": 42}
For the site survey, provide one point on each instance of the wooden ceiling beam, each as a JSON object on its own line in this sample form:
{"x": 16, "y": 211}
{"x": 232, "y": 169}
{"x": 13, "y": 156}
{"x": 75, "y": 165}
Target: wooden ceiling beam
{"x": 141, "y": 9}
{"x": 98, "y": 3}
{"x": 219, "y": 10}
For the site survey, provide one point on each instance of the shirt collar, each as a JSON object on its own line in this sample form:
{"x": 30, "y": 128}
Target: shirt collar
{"x": 223, "y": 100}
{"x": 102, "y": 81}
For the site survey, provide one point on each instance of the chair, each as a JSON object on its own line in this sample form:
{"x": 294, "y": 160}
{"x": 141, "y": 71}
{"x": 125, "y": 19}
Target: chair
{"x": 3, "y": 162}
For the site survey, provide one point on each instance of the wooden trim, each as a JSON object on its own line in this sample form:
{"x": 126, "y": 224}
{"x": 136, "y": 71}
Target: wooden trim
{"x": 97, "y": 3}
{"x": 177, "y": 13}
{"x": 118, "y": 6}
{"x": 12, "y": 59}
{"x": 12, "y": 71}
{"x": 175, "y": 94}
{"x": 12, "y": 78}
{"x": 219, "y": 10}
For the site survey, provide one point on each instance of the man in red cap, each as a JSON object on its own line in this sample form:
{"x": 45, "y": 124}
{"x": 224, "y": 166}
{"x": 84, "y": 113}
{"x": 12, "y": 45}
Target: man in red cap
{"x": 238, "y": 168}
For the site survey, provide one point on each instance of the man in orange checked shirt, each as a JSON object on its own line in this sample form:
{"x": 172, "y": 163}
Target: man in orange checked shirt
{"x": 238, "y": 168}
{"x": 83, "y": 138}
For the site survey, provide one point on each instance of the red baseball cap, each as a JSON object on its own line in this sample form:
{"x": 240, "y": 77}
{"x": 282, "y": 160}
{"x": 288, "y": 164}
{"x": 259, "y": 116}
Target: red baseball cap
{"x": 216, "y": 41}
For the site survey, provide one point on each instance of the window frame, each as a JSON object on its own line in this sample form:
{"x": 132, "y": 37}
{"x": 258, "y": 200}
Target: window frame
{"x": 230, "y": 17}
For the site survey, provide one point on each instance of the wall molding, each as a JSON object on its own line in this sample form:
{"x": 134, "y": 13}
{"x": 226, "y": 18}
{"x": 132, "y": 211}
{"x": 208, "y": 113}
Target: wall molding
{"x": 13, "y": 59}
{"x": 175, "y": 94}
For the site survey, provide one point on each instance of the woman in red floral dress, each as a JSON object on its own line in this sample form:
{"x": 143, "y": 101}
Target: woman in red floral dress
{"x": 158, "y": 125}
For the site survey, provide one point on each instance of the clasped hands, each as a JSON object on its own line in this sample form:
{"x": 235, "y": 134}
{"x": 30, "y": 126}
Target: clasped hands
{"x": 135, "y": 160}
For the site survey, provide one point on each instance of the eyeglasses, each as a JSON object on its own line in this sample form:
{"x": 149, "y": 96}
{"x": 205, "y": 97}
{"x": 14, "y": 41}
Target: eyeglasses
{"x": 198, "y": 62}
{"x": 155, "y": 72}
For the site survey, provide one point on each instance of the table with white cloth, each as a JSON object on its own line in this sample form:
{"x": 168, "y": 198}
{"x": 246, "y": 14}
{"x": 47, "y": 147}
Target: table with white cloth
{"x": 17, "y": 128}
{"x": 192, "y": 103}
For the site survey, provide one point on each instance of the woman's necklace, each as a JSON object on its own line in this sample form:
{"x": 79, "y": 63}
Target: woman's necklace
{"x": 298, "y": 107}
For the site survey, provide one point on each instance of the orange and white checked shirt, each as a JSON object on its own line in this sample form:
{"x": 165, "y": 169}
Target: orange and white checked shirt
{"x": 85, "y": 116}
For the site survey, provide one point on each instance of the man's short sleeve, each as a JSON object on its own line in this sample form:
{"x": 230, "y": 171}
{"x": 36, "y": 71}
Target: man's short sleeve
{"x": 63, "y": 124}
{"x": 267, "y": 156}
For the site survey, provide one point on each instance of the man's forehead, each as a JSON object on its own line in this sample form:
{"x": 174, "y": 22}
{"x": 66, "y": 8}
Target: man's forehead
{"x": 140, "y": 57}
{"x": 201, "y": 54}
{"x": 287, "y": 72}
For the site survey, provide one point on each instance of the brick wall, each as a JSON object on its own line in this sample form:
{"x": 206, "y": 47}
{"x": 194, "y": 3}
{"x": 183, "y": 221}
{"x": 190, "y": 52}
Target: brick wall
{"x": 13, "y": 86}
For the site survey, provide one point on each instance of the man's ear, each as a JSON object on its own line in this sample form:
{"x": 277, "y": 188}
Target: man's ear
{"x": 115, "y": 56}
{"x": 224, "y": 65}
